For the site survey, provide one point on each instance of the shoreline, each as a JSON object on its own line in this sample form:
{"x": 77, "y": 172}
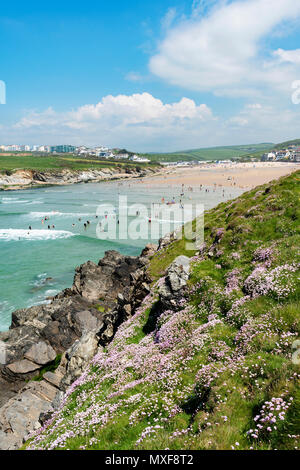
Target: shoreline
{"x": 29, "y": 179}
{"x": 240, "y": 175}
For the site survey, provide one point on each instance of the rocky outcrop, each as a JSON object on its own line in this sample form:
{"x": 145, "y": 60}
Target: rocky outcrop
{"x": 172, "y": 288}
{"x": 77, "y": 322}
{"x": 21, "y": 179}
{"x": 76, "y": 358}
{"x": 40, "y": 353}
{"x": 20, "y": 415}
{"x": 105, "y": 280}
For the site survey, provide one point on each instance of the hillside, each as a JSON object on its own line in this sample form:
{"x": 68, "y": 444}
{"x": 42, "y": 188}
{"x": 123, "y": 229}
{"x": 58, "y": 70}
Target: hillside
{"x": 215, "y": 369}
{"x": 12, "y": 162}
{"x": 212, "y": 153}
{"x": 286, "y": 144}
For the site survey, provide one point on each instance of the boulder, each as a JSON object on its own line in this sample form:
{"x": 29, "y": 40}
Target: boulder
{"x": 40, "y": 353}
{"x": 22, "y": 367}
{"x": 174, "y": 283}
{"x": 20, "y": 415}
{"x": 77, "y": 357}
{"x": 2, "y": 352}
{"x": 54, "y": 378}
{"x": 149, "y": 250}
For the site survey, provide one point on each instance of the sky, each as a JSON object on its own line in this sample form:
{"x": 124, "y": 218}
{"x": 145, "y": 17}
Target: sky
{"x": 150, "y": 75}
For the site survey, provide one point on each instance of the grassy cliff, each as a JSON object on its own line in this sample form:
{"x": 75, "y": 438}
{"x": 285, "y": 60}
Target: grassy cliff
{"x": 13, "y": 162}
{"x": 220, "y": 372}
{"x": 213, "y": 153}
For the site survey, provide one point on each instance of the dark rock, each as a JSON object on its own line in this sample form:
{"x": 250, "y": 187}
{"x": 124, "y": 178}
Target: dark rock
{"x": 72, "y": 324}
{"x": 149, "y": 250}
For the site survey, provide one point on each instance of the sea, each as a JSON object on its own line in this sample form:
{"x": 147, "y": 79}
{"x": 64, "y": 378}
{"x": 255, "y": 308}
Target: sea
{"x": 37, "y": 262}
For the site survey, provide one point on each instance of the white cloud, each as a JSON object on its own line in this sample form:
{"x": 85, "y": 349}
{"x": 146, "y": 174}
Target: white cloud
{"x": 138, "y": 121}
{"x": 221, "y": 52}
{"x": 133, "y": 77}
{"x": 168, "y": 19}
{"x": 288, "y": 56}
{"x": 141, "y": 122}
{"x": 254, "y": 106}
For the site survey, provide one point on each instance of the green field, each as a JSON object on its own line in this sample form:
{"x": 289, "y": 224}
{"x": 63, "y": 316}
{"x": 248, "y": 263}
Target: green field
{"x": 12, "y": 162}
{"x": 286, "y": 144}
{"x": 213, "y": 153}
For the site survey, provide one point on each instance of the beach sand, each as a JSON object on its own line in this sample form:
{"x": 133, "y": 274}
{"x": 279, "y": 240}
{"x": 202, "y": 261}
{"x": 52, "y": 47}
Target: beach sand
{"x": 238, "y": 175}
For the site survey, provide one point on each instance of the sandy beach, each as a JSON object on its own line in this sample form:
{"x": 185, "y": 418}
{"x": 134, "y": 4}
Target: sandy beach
{"x": 238, "y": 175}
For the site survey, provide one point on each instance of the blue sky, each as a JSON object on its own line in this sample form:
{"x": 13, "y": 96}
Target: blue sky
{"x": 150, "y": 75}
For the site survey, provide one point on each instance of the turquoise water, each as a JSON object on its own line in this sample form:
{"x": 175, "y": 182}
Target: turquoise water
{"x": 38, "y": 263}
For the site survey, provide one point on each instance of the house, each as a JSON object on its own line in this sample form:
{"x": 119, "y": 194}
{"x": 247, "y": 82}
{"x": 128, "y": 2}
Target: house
{"x": 136, "y": 158}
{"x": 296, "y": 156}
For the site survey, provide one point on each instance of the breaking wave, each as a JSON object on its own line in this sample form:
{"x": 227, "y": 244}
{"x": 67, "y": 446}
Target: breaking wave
{"x": 12, "y": 234}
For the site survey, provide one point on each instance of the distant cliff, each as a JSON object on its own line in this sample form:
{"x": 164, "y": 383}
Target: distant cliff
{"x": 22, "y": 179}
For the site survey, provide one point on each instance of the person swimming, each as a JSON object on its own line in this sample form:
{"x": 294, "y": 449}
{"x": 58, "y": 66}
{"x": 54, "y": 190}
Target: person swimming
{"x": 29, "y": 227}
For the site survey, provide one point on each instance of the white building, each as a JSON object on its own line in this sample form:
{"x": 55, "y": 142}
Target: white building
{"x": 136, "y": 158}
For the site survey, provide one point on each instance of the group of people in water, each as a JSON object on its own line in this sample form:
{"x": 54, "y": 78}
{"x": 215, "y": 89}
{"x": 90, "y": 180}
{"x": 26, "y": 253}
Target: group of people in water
{"x": 181, "y": 196}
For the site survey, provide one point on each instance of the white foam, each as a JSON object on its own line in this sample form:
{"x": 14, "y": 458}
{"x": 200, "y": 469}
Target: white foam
{"x": 21, "y": 234}
{"x": 41, "y": 215}
{"x": 9, "y": 200}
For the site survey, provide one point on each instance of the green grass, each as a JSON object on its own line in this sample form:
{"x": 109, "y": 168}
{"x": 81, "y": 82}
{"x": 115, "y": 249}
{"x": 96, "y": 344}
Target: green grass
{"x": 49, "y": 368}
{"x": 213, "y": 153}
{"x": 220, "y": 361}
{"x": 14, "y": 162}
